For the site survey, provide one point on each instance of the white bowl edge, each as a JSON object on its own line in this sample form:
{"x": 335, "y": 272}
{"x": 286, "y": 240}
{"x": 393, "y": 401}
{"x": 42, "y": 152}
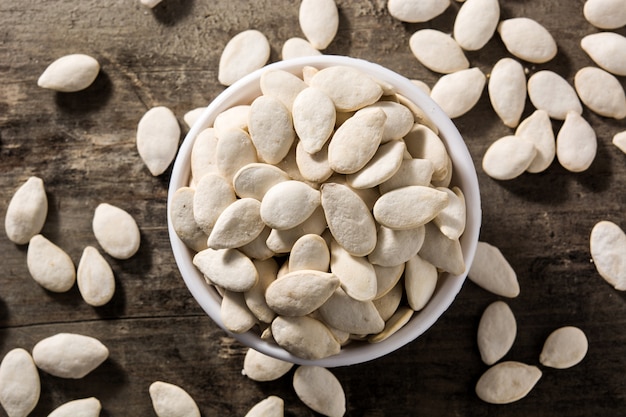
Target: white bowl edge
{"x": 464, "y": 176}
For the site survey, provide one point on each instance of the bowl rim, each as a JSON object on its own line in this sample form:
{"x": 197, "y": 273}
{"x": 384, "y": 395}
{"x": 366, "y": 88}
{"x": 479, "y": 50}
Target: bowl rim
{"x": 464, "y": 176}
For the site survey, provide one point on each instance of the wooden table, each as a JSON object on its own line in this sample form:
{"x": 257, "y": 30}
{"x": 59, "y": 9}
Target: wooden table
{"x": 83, "y": 146}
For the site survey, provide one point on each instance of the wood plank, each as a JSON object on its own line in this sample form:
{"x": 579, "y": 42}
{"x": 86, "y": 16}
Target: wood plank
{"x": 83, "y": 146}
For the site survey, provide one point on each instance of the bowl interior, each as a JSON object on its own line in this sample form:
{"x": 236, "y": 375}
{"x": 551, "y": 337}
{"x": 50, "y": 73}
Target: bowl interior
{"x": 464, "y": 176}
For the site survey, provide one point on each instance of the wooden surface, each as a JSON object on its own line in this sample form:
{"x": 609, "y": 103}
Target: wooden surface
{"x": 83, "y": 146}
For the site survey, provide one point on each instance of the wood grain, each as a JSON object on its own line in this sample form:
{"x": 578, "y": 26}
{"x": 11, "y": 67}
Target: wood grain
{"x": 83, "y": 146}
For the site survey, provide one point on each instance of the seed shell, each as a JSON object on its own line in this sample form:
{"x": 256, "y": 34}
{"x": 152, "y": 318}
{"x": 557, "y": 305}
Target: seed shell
{"x": 491, "y": 271}
{"x": 507, "y": 382}
{"x": 158, "y": 134}
{"x": 245, "y": 52}
{"x": 20, "y": 385}
{"x": 564, "y": 348}
{"x": 70, "y": 73}
{"x": 527, "y": 39}
{"x": 26, "y": 212}
{"x": 320, "y": 390}
{"x": 169, "y": 400}
{"x": 496, "y": 332}
{"x": 438, "y": 51}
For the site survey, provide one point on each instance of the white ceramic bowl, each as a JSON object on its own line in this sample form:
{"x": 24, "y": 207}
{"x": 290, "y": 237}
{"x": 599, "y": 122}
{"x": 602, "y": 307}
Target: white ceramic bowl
{"x": 243, "y": 92}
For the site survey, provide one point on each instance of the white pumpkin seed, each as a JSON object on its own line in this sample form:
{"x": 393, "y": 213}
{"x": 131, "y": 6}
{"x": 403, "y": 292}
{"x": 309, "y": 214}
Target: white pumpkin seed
{"x": 158, "y": 134}
{"x": 383, "y": 165}
{"x": 235, "y": 117}
{"x": 304, "y": 337}
{"x": 313, "y": 167}
{"x": 356, "y": 274}
{"x": 399, "y": 318}
{"x": 576, "y": 143}
{"x": 298, "y": 48}
{"x": 496, "y": 332}
{"x": 409, "y": 207}
{"x": 20, "y": 386}
{"x": 389, "y": 303}
{"x": 282, "y": 85}
{"x": 70, "y": 73}
{"x": 213, "y": 194}
{"x": 300, "y": 292}
{"x": 492, "y": 272}
{"x": 240, "y": 223}
{"x": 438, "y": 51}
{"x": 608, "y": 250}
{"x": 507, "y": 382}
{"x": 150, "y": 3}
{"x": 313, "y": 118}
{"x": 451, "y": 220}
{"x": 288, "y": 204}
{"x": 26, "y": 212}
{"x": 349, "y": 315}
{"x": 414, "y": 171}
{"x": 183, "y": 219}
{"x": 290, "y": 166}
{"x": 549, "y": 91}
{"x": 95, "y": 279}
{"x": 320, "y": 390}
{"x": 527, "y": 39}
{"x": 458, "y": 93}
{"x": 601, "y": 92}
{"x": 605, "y": 14}
{"x": 422, "y": 86}
{"x": 420, "y": 116}
{"x": 349, "y": 88}
{"x": 169, "y": 400}
{"x": 537, "y": 128}
{"x": 399, "y": 120}
{"x": 507, "y": 90}
{"x": 116, "y": 231}
{"x": 191, "y": 117}
{"x": 608, "y": 50}
{"x": 49, "y": 265}
{"x": 395, "y": 247}
{"x": 271, "y": 128}
{"x": 255, "y": 296}
{"x": 439, "y": 250}
{"x": 386, "y": 278}
{"x": 564, "y": 348}
{"x": 619, "y": 140}
{"x": 244, "y": 53}
{"x": 253, "y": 180}
{"x": 508, "y": 157}
{"x": 423, "y": 143}
{"x": 307, "y": 73}
{"x": 227, "y": 268}
{"x": 356, "y": 141}
{"x": 69, "y": 355}
{"x": 84, "y": 407}
{"x": 368, "y": 195}
{"x": 309, "y": 252}
{"x": 349, "y": 219}
{"x": 235, "y": 314}
{"x": 420, "y": 281}
{"x": 281, "y": 241}
{"x": 415, "y": 11}
{"x": 475, "y": 23}
{"x": 203, "y": 154}
{"x": 272, "y": 406}
{"x": 260, "y": 367}
{"x": 234, "y": 151}
{"x": 319, "y": 21}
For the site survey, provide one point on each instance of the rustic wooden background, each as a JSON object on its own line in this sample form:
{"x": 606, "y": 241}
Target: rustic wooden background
{"x": 83, "y": 146}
